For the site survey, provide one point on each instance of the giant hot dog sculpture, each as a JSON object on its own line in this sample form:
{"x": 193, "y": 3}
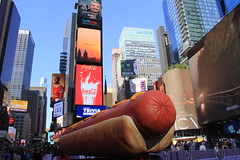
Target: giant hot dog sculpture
{"x": 142, "y": 124}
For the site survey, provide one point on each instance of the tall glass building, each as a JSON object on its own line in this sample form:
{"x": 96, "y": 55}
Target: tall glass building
{"x": 9, "y": 26}
{"x": 226, "y": 6}
{"x": 22, "y": 68}
{"x": 187, "y": 21}
{"x": 139, "y": 43}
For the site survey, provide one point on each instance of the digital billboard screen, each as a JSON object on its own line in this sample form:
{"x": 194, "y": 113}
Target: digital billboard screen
{"x": 88, "y": 85}
{"x": 129, "y": 68}
{"x": 18, "y": 106}
{"x": 177, "y": 85}
{"x": 90, "y": 13}
{"x": 214, "y": 65}
{"x": 88, "y": 46}
{"x": 58, "y": 81}
{"x": 231, "y": 127}
{"x": 88, "y": 111}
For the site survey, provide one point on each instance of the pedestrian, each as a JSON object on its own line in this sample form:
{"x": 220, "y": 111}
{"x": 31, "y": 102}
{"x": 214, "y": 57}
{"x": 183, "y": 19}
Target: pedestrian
{"x": 202, "y": 147}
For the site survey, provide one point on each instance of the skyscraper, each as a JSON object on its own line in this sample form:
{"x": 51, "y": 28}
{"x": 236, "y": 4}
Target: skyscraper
{"x": 164, "y": 48}
{"x": 226, "y": 6}
{"x": 116, "y": 72}
{"x": 139, "y": 43}
{"x": 38, "y": 111}
{"x": 187, "y": 22}
{"x": 22, "y": 68}
{"x": 9, "y": 26}
{"x": 64, "y": 53}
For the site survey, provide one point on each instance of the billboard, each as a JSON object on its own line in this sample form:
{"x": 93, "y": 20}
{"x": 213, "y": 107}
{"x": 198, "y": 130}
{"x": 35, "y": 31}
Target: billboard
{"x": 88, "y": 85}
{"x": 129, "y": 68}
{"x": 138, "y": 85}
{"x": 231, "y": 127}
{"x": 88, "y": 46}
{"x": 214, "y": 64}
{"x": 177, "y": 84}
{"x": 90, "y": 13}
{"x": 58, "y": 81}
{"x": 88, "y": 111}
{"x": 18, "y": 106}
{"x": 12, "y": 132}
{"x": 50, "y": 139}
{"x": 58, "y": 109}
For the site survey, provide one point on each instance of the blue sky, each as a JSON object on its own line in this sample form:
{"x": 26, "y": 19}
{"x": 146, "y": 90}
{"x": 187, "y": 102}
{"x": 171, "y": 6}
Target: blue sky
{"x": 46, "y": 19}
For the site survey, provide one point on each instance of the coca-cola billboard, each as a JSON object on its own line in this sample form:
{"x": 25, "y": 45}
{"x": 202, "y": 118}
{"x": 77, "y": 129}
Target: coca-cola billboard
{"x": 88, "y": 85}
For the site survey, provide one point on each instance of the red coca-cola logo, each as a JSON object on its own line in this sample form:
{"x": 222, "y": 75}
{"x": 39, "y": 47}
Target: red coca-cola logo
{"x": 93, "y": 68}
{"x": 89, "y": 92}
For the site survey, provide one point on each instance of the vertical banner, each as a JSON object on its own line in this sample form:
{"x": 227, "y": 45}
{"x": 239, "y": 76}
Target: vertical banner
{"x": 178, "y": 86}
{"x": 88, "y": 46}
{"x": 58, "y": 81}
{"x": 88, "y": 85}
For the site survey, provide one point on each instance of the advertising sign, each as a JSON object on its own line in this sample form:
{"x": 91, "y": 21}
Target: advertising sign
{"x": 50, "y": 139}
{"x": 231, "y": 127}
{"x": 88, "y": 111}
{"x": 214, "y": 66}
{"x": 58, "y": 109}
{"x": 88, "y": 85}
{"x": 12, "y": 132}
{"x": 88, "y": 46}
{"x": 90, "y": 13}
{"x": 129, "y": 68}
{"x": 138, "y": 85}
{"x": 178, "y": 87}
{"x": 58, "y": 81}
{"x": 18, "y": 105}
{"x": 60, "y": 122}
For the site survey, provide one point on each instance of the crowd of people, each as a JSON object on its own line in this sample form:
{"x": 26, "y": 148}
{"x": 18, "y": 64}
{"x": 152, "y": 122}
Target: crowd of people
{"x": 227, "y": 143}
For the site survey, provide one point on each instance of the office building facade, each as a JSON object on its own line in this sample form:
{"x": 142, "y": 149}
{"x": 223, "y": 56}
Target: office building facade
{"x": 9, "y": 26}
{"x": 39, "y": 108}
{"x": 139, "y": 43}
{"x": 22, "y": 124}
{"x": 116, "y": 72}
{"x": 164, "y": 46}
{"x": 226, "y": 6}
{"x": 187, "y": 22}
{"x": 22, "y": 68}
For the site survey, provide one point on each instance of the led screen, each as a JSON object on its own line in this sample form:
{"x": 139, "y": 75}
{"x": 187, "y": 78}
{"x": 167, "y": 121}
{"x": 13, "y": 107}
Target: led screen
{"x": 88, "y": 111}
{"x": 232, "y": 127}
{"x": 88, "y": 46}
{"x": 214, "y": 65}
{"x": 18, "y": 106}
{"x": 90, "y": 13}
{"x": 178, "y": 86}
{"x": 88, "y": 85}
{"x": 58, "y": 81}
{"x": 129, "y": 68}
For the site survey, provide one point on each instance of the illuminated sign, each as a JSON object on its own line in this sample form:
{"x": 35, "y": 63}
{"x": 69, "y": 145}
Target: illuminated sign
{"x": 129, "y": 68}
{"x": 88, "y": 111}
{"x": 90, "y": 13}
{"x": 18, "y": 105}
{"x": 58, "y": 81}
{"x": 88, "y": 46}
{"x": 88, "y": 85}
{"x": 11, "y": 121}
